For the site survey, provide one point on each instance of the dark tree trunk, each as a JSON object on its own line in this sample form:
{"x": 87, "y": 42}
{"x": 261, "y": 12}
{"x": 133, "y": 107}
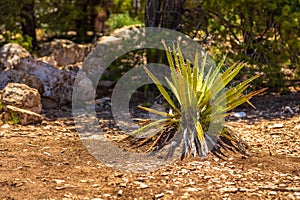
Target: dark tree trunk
{"x": 28, "y": 21}
{"x": 91, "y": 19}
{"x": 164, "y": 13}
{"x": 152, "y": 13}
{"x": 101, "y": 15}
{"x": 82, "y": 23}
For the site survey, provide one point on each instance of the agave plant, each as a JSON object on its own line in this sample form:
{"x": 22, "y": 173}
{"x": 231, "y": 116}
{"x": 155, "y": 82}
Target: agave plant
{"x": 203, "y": 98}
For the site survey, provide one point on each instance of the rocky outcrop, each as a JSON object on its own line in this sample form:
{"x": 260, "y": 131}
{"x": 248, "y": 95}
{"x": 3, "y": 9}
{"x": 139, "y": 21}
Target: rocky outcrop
{"x": 55, "y": 85}
{"x": 20, "y": 104}
{"x": 58, "y": 84}
{"x": 63, "y": 52}
{"x": 11, "y": 54}
{"x": 16, "y": 76}
{"x": 21, "y": 96}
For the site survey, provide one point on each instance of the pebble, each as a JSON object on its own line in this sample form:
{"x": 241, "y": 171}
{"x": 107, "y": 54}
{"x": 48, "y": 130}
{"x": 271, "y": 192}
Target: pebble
{"x": 288, "y": 108}
{"x": 141, "y": 185}
{"x": 5, "y": 126}
{"x": 276, "y": 126}
{"x": 297, "y": 126}
{"x": 95, "y": 185}
{"x": 157, "y": 196}
{"x": 190, "y": 189}
{"x": 120, "y": 192}
{"x": 229, "y": 189}
{"x": 239, "y": 114}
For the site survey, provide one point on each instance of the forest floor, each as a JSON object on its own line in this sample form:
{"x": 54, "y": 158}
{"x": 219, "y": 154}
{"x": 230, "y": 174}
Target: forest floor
{"x": 49, "y": 161}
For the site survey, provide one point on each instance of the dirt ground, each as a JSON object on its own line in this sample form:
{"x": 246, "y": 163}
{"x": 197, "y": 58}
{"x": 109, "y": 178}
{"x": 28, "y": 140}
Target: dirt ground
{"x": 49, "y": 161}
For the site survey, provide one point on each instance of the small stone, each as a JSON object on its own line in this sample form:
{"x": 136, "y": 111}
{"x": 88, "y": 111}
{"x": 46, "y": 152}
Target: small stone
{"x": 229, "y": 189}
{"x": 141, "y": 185}
{"x": 289, "y": 109}
{"x": 190, "y": 189}
{"x": 297, "y": 126}
{"x": 123, "y": 184}
{"x": 229, "y": 183}
{"x": 276, "y": 126}
{"x": 95, "y": 185}
{"x": 5, "y": 126}
{"x": 46, "y": 153}
{"x": 239, "y": 114}
{"x": 157, "y": 196}
{"x": 106, "y": 195}
{"x": 60, "y": 188}
{"x": 58, "y": 181}
{"x": 185, "y": 195}
{"x": 106, "y": 83}
{"x": 120, "y": 192}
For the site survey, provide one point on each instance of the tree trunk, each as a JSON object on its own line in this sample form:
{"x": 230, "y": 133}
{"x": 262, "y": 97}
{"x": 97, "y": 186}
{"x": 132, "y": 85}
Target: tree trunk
{"x": 82, "y": 22}
{"x": 164, "y": 13}
{"x": 28, "y": 21}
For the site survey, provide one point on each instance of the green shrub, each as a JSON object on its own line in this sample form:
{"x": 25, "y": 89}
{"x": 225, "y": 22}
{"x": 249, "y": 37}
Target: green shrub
{"x": 119, "y": 20}
{"x": 264, "y": 33}
{"x": 203, "y": 97}
{"x": 13, "y": 119}
{"x": 23, "y": 40}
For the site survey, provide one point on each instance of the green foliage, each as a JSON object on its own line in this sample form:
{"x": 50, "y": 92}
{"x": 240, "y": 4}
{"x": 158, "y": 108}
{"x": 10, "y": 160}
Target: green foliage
{"x": 119, "y": 20}
{"x": 262, "y": 32}
{"x": 56, "y": 16}
{"x": 123, "y": 6}
{"x": 10, "y": 27}
{"x": 13, "y": 119}
{"x": 202, "y": 99}
{"x": 123, "y": 64}
{"x": 10, "y": 14}
{"x": 23, "y": 40}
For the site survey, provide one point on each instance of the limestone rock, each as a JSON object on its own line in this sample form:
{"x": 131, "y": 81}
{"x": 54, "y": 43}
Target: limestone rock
{"x": 49, "y": 103}
{"x": 10, "y": 55}
{"x": 126, "y": 30}
{"x": 48, "y": 59}
{"x": 15, "y": 76}
{"x": 58, "y": 84}
{"x": 64, "y": 52}
{"x": 24, "y": 117}
{"x": 73, "y": 67}
{"x": 21, "y": 96}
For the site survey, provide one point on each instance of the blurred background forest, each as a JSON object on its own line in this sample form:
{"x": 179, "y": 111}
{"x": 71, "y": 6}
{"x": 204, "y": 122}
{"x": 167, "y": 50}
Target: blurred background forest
{"x": 264, "y": 33}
